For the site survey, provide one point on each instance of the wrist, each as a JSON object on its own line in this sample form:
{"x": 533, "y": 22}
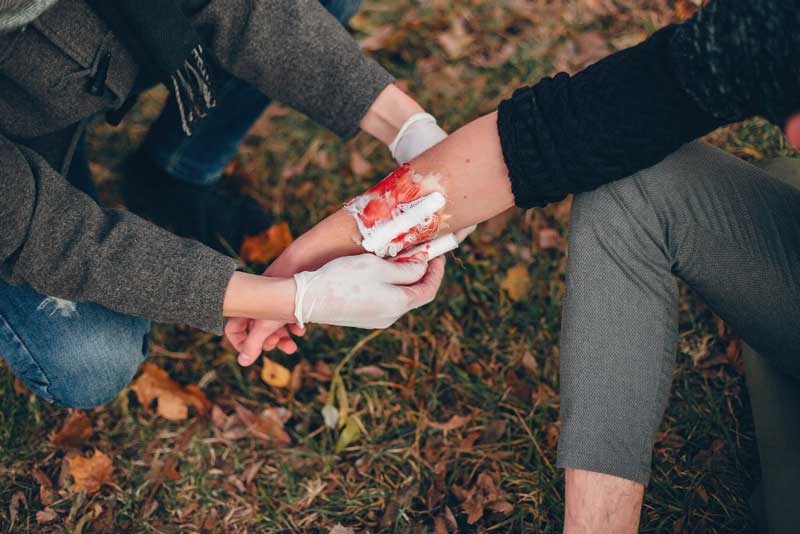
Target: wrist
{"x": 260, "y": 297}
{"x": 388, "y": 113}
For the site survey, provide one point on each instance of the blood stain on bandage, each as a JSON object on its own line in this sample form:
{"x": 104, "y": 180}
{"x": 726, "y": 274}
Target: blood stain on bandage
{"x": 395, "y": 214}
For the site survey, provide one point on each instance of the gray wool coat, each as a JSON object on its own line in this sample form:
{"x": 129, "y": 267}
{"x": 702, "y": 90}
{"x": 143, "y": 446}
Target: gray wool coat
{"x": 59, "y": 240}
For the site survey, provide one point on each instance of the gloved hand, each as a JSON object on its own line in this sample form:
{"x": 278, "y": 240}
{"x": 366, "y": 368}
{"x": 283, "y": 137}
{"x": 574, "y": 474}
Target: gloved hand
{"x": 419, "y": 133}
{"x": 366, "y": 291}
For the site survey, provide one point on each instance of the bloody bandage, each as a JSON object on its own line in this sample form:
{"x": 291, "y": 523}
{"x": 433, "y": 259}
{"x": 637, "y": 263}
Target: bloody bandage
{"x": 395, "y": 215}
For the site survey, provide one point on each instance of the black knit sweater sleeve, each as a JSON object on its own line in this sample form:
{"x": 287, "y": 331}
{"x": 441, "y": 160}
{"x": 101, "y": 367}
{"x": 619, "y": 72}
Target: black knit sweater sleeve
{"x": 569, "y": 134}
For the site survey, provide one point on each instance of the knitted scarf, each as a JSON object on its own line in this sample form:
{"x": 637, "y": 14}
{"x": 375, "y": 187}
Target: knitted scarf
{"x": 163, "y": 42}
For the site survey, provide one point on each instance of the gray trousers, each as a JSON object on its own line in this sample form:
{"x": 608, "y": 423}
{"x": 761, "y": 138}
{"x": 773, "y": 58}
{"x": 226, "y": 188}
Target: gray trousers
{"x": 728, "y": 229}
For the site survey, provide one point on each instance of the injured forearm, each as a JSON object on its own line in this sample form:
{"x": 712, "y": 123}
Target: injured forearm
{"x": 458, "y": 183}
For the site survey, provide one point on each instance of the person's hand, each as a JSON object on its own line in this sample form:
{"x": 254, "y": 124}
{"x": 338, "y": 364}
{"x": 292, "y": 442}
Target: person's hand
{"x": 419, "y": 133}
{"x": 366, "y": 291}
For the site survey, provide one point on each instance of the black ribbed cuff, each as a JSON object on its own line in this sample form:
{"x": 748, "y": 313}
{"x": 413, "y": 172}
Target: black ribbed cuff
{"x": 533, "y": 182}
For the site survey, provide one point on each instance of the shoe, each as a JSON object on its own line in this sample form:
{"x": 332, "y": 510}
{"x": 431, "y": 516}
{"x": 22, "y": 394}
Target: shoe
{"x": 212, "y": 215}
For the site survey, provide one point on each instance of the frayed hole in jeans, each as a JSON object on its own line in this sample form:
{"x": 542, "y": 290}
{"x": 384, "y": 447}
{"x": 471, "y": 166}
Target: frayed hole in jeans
{"x": 65, "y": 308}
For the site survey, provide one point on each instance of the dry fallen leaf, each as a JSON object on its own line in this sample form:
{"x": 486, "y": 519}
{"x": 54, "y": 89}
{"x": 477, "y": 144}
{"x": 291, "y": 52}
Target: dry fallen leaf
{"x": 457, "y": 40}
{"x": 275, "y": 375}
{"x": 339, "y": 529}
{"x": 90, "y": 473}
{"x": 75, "y": 431}
{"x": 457, "y": 421}
{"x": 266, "y": 426}
{"x": 13, "y": 508}
{"x": 267, "y": 245}
{"x": 45, "y": 516}
{"x": 173, "y": 400}
{"x": 517, "y": 282}
{"x": 46, "y": 493}
{"x": 480, "y": 496}
{"x": 685, "y": 9}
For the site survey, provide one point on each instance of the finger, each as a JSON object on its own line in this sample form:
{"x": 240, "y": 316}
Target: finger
{"x": 424, "y": 291}
{"x": 251, "y": 348}
{"x": 273, "y": 339}
{"x": 236, "y": 331}
{"x": 287, "y": 345}
{"x": 405, "y": 272}
{"x": 297, "y": 330}
{"x": 462, "y": 234}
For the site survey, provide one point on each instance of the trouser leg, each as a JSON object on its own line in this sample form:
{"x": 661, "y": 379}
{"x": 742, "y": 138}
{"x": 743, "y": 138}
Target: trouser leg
{"x": 730, "y": 231}
{"x": 74, "y": 355}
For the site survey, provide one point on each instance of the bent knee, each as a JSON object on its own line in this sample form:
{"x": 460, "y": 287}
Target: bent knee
{"x": 93, "y": 372}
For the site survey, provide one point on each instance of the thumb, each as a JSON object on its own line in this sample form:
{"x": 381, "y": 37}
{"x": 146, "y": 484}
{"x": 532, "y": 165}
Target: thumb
{"x": 425, "y": 290}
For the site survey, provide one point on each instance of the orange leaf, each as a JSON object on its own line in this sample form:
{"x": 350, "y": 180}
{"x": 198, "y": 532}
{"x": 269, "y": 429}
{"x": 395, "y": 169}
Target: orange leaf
{"x": 685, "y": 9}
{"x": 90, "y": 473}
{"x": 267, "y": 245}
{"x": 517, "y": 282}
{"x": 173, "y": 400}
{"x": 77, "y": 429}
{"x": 275, "y": 375}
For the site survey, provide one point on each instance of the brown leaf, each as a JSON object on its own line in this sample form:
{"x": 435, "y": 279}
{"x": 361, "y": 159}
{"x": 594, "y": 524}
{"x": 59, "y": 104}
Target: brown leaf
{"x": 266, "y": 426}
{"x": 45, "y": 516}
{"x": 517, "y": 282}
{"x": 440, "y": 526}
{"x": 456, "y": 41}
{"x": 457, "y": 421}
{"x": 359, "y": 165}
{"x": 46, "y": 494}
{"x": 339, "y": 529}
{"x": 13, "y": 508}
{"x": 476, "y": 498}
{"x": 530, "y": 363}
{"x": 267, "y": 245}
{"x": 173, "y": 400}
{"x": 502, "y": 507}
{"x": 275, "y": 375}
{"x": 75, "y": 431}
{"x": 372, "y": 371}
{"x": 685, "y": 9}
{"x": 90, "y": 473}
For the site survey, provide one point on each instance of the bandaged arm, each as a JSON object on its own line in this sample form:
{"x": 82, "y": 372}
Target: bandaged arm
{"x": 467, "y": 169}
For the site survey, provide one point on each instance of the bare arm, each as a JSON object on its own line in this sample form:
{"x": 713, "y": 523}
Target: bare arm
{"x": 473, "y": 178}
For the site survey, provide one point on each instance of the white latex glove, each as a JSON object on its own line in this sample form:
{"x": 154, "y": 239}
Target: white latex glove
{"x": 419, "y": 133}
{"x": 365, "y": 291}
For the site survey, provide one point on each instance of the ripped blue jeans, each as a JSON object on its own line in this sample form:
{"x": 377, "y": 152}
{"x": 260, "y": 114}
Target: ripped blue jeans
{"x": 81, "y": 354}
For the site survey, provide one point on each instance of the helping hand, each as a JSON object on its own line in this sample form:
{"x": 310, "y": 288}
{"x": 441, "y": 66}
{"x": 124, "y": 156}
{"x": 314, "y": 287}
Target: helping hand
{"x": 366, "y": 291}
{"x": 419, "y": 133}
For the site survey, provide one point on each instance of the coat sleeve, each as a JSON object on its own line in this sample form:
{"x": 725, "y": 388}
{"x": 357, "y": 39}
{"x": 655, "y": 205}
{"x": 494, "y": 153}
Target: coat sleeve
{"x": 569, "y": 134}
{"x": 63, "y": 244}
{"x": 297, "y": 53}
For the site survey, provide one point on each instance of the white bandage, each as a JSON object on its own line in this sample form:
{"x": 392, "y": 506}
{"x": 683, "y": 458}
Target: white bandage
{"x": 379, "y": 238}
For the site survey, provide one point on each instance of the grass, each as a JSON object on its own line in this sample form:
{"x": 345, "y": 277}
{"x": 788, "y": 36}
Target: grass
{"x": 474, "y": 353}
